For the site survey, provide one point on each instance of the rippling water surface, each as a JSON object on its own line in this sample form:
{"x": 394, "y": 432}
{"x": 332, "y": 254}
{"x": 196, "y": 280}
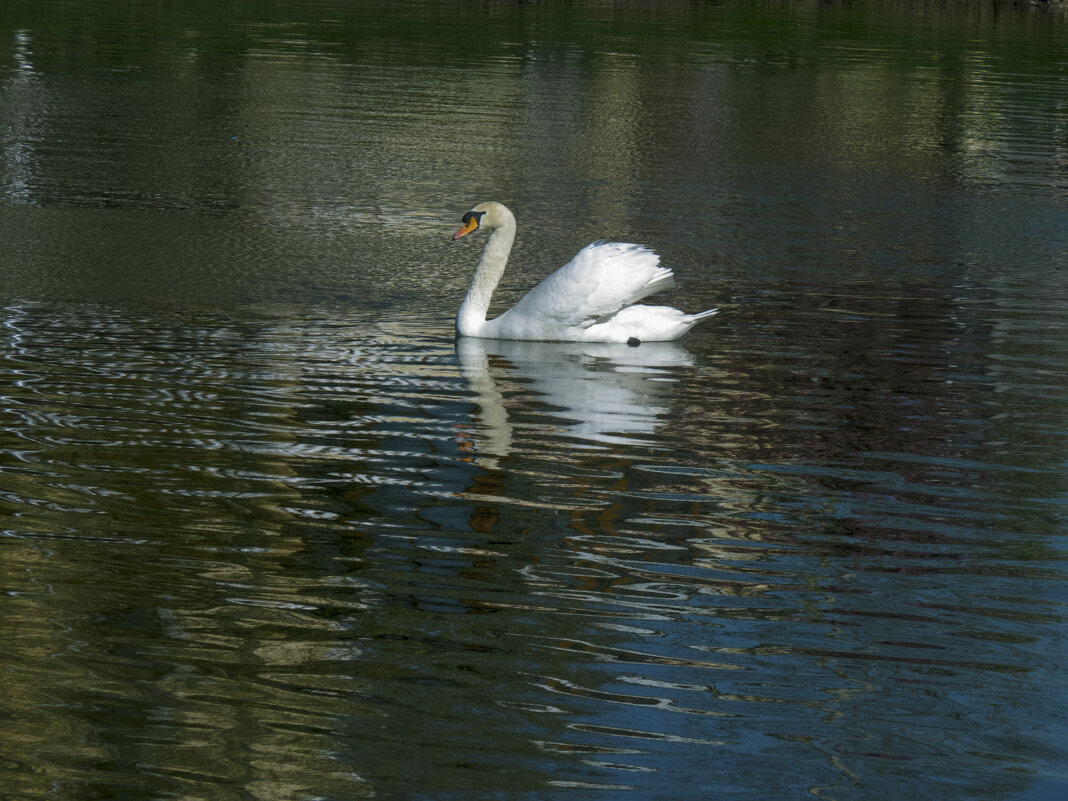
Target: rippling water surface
{"x": 267, "y": 531}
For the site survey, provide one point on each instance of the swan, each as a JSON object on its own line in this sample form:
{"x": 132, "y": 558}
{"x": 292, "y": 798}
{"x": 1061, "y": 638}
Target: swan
{"x": 589, "y": 299}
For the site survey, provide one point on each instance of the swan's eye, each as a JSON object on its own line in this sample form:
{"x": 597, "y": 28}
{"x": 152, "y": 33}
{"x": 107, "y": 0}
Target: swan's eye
{"x": 477, "y": 215}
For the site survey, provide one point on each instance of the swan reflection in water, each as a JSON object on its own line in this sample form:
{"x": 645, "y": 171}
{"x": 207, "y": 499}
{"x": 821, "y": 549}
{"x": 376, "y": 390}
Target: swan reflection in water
{"x": 597, "y": 392}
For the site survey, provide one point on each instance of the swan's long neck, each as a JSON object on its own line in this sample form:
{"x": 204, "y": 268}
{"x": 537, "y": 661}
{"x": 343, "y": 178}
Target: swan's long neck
{"x": 471, "y": 318}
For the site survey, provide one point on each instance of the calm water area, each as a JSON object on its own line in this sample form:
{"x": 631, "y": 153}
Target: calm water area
{"x": 269, "y": 532}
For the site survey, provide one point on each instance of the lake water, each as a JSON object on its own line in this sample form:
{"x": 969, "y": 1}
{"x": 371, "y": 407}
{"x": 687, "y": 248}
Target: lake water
{"x": 268, "y": 532}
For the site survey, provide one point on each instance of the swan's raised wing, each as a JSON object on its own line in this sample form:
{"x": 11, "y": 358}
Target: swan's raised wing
{"x": 603, "y": 278}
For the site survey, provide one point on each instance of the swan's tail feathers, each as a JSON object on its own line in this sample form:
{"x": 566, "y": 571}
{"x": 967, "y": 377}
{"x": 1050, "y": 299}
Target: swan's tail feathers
{"x": 702, "y": 315}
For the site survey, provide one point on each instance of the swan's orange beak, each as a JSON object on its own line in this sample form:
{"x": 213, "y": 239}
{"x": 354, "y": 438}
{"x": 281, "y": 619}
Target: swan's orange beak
{"x": 470, "y": 225}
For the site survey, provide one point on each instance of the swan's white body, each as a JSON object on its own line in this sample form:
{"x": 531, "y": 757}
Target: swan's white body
{"x": 589, "y": 299}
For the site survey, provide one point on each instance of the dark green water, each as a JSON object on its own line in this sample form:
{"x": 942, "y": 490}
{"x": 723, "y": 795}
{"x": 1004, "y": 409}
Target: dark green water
{"x": 268, "y": 532}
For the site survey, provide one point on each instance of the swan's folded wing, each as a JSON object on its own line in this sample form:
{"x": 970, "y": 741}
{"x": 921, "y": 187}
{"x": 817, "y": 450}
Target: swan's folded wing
{"x": 603, "y": 278}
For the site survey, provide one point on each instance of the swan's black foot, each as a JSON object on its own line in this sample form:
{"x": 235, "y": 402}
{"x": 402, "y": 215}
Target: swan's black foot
{"x": 634, "y": 342}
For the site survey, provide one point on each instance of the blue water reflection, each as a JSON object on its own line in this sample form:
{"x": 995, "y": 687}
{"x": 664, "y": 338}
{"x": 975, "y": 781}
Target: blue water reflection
{"x": 331, "y": 538}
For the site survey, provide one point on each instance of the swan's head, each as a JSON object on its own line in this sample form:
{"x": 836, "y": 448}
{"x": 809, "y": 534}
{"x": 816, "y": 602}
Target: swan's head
{"x": 484, "y": 216}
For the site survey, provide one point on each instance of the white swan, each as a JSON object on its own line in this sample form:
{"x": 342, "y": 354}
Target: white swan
{"x": 589, "y": 299}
